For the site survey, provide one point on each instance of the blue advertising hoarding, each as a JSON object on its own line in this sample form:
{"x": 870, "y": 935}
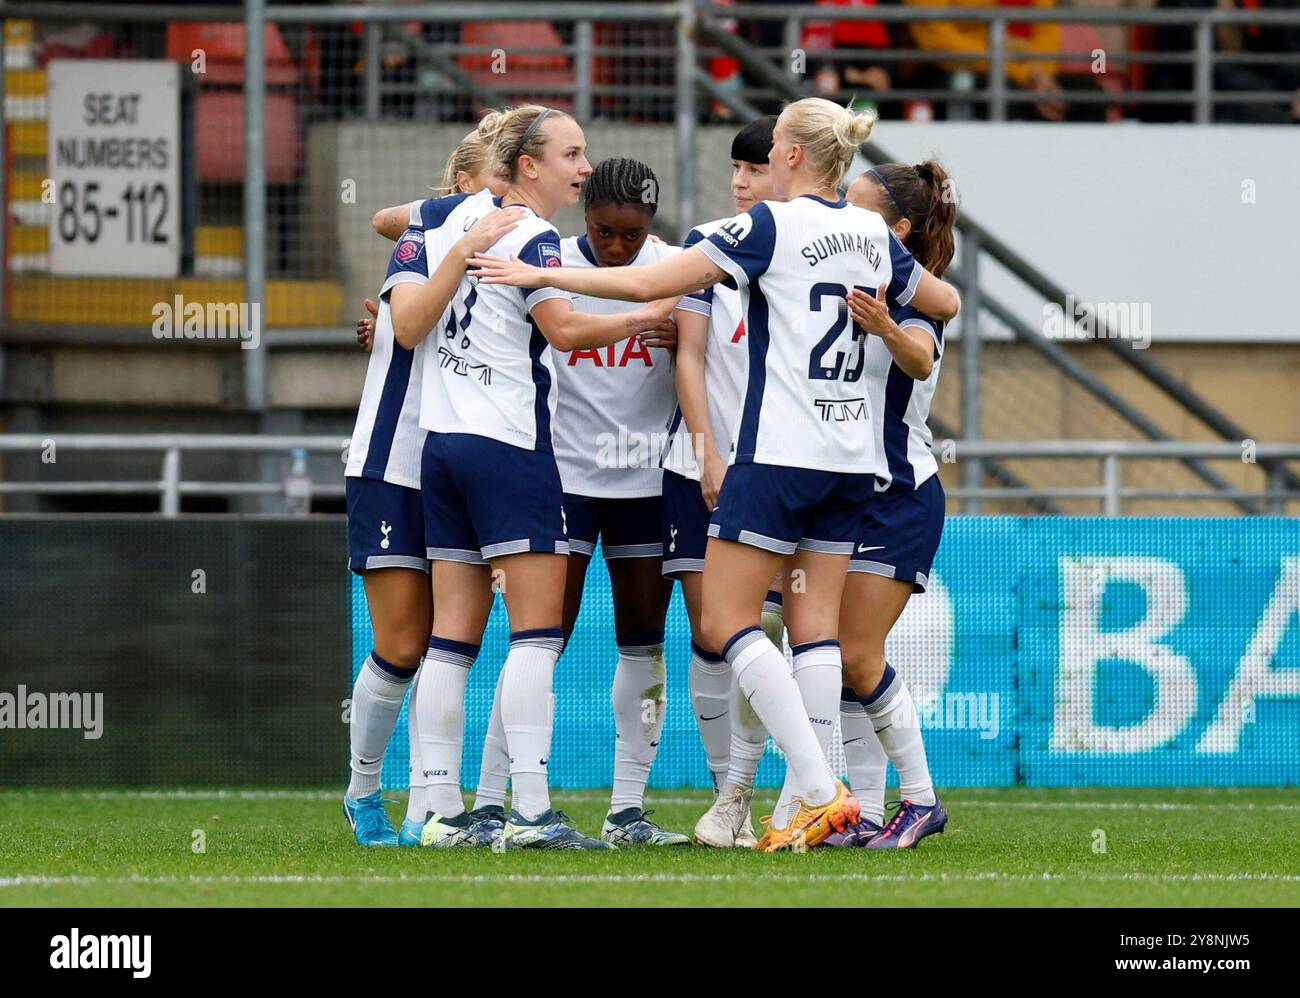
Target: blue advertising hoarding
{"x": 1048, "y": 652}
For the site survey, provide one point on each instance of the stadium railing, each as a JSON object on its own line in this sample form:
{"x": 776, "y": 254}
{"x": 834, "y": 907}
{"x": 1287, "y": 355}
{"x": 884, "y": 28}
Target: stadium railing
{"x": 1110, "y": 492}
{"x": 976, "y": 247}
{"x": 1203, "y": 57}
{"x": 662, "y": 50}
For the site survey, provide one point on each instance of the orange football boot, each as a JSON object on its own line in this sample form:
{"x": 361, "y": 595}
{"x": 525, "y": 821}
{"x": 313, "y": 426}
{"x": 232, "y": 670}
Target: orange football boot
{"x": 811, "y": 826}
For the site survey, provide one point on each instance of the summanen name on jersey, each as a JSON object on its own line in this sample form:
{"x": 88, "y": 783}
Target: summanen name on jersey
{"x": 841, "y": 242}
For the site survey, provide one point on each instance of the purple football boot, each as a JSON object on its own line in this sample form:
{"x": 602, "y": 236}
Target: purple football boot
{"x": 854, "y": 837}
{"x": 910, "y": 824}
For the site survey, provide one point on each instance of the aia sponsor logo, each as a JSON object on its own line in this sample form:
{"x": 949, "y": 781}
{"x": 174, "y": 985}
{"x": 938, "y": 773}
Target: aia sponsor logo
{"x": 629, "y": 352}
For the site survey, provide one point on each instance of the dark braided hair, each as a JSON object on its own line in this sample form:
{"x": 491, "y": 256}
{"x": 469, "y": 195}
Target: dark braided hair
{"x": 622, "y": 181}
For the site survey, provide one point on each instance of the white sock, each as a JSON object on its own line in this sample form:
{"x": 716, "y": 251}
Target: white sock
{"x": 639, "y": 695}
{"x": 377, "y": 699}
{"x": 527, "y": 711}
{"x": 817, "y": 672}
{"x": 772, "y": 692}
{"x": 415, "y": 809}
{"x": 893, "y": 715}
{"x": 748, "y": 740}
{"x": 773, "y": 620}
{"x": 441, "y": 709}
{"x": 865, "y": 757}
{"x": 494, "y": 772}
{"x": 711, "y": 682}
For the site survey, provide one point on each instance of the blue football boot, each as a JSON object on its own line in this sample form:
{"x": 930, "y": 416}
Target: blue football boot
{"x": 409, "y": 833}
{"x": 369, "y": 820}
{"x": 910, "y": 824}
{"x": 854, "y": 837}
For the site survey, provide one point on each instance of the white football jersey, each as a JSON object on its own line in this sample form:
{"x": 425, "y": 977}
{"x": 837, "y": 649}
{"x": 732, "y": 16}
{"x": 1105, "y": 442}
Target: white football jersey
{"x": 387, "y": 440}
{"x": 615, "y": 401}
{"x": 806, "y": 403}
{"x": 726, "y": 364}
{"x": 901, "y": 407}
{"x": 488, "y": 369}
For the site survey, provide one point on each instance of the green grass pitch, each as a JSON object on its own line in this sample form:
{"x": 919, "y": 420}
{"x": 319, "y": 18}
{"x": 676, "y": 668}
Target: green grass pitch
{"x": 1162, "y": 847}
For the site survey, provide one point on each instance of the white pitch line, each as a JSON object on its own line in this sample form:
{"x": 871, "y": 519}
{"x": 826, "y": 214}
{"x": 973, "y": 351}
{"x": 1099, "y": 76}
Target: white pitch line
{"x": 275, "y": 879}
{"x": 330, "y": 795}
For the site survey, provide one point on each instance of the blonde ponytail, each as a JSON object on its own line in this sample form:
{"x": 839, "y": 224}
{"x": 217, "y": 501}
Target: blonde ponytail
{"x": 829, "y": 134}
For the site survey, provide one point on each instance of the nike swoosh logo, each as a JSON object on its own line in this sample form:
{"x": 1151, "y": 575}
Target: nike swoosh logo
{"x": 368, "y": 762}
{"x": 863, "y": 549}
{"x": 714, "y": 717}
{"x": 852, "y": 740}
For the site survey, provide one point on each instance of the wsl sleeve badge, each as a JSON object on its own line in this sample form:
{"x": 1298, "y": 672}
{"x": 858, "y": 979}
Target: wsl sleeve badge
{"x": 409, "y": 246}
{"x": 550, "y": 255}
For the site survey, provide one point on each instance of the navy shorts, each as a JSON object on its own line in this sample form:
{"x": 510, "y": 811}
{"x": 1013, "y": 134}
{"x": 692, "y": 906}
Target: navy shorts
{"x": 385, "y": 526}
{"x": 485, "y": 499}
{"x": 684, "y": 531}
{"x": 627, "y": 528}
{"x": 780, "y": 509}
{"x": 901, "y": 534}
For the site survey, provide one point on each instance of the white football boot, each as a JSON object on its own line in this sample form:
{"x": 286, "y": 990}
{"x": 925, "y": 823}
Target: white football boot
{"x": 726, "y": 823}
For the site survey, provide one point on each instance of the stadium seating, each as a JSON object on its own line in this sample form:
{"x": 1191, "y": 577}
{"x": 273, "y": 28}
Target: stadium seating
{"x": 527, "y": 69}
{"x": 220, "y": 101}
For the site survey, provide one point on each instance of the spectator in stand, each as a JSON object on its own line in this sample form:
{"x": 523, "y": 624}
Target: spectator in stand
{"x": 1028, "y": 75}
{"x": 1228, "y": 39}
{"x": 862, "y": 75}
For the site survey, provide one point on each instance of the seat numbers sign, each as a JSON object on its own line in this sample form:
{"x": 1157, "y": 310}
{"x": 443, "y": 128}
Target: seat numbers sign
{"x": 114, "y": 167}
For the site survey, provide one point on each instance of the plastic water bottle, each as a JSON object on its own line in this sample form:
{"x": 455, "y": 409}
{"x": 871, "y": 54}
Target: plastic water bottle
{"x": 297, "y": 484}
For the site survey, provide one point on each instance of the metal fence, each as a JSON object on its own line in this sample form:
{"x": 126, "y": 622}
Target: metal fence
{"x": 1196, "y": 47}
{"x": 305, "y": 118}
{"x": 1107, "y": 496}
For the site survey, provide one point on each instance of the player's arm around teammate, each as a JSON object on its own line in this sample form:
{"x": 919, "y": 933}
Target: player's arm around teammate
{"x": 790, "y": 505}
{"x": 669, "y": 280}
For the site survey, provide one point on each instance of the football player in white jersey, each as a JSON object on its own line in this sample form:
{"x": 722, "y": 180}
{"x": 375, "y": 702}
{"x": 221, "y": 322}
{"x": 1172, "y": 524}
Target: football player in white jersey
{"x": 898, "y": 542}
{"x": 803, "y": 455}
{"x": 386, "y": 531}
{"x": 493, "y": 501}
{"x": 712, "y": 361}
{"x": 614, "y": 403}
